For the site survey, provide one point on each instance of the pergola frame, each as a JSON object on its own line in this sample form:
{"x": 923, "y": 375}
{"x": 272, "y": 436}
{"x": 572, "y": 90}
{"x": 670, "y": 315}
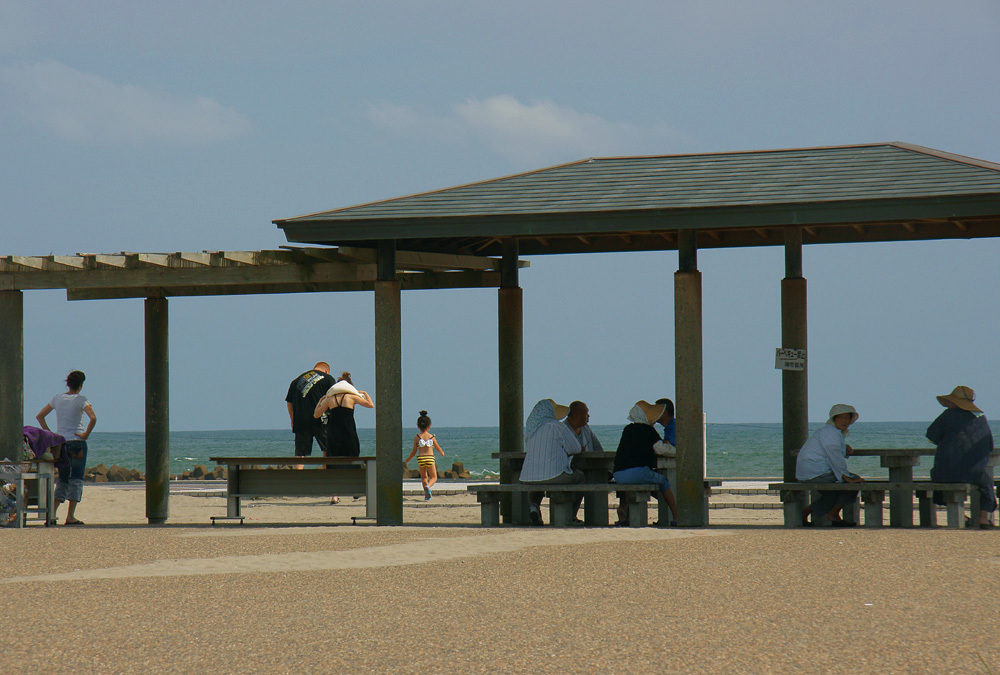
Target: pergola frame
{"x": 158, "y": 276}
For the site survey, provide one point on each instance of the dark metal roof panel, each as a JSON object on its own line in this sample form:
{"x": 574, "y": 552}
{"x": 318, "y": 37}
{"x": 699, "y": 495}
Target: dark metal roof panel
{"x": 743, "y": 179}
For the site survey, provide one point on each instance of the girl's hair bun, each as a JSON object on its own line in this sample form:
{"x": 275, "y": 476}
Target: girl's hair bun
{"x": 423, "y": 412}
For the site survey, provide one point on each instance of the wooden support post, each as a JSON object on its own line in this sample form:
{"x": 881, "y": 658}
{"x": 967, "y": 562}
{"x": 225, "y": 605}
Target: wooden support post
{"x": 926, "y": 508}
{"x": 794, "y": 383}
{"x": 561, "y": 508}
{"x": 510, "y": 322}
{"x": 388, "y": 389}
{"x": 157, "y": 411}
{"x": 689, "y": 406}
{"x": 11, "y": 374}
{"x": 638, "y": 509}
{"x": 873, "y": 500}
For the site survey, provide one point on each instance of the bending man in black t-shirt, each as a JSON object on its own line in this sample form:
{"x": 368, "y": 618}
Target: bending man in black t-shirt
{"x": 304, "y": 393}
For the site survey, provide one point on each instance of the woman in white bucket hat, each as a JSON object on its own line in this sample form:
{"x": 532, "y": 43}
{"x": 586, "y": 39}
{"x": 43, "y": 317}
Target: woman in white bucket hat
{"x": 823, "y": 459}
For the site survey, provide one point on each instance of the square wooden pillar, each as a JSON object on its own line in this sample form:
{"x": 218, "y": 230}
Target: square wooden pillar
{"x": 689, "y": 404}
{"x": 388, "y": 390}
{"x": 157, "y": 356}
{"x": 11, "y": 373}
{"x": 510, "y": 347}
{"x": 794, "y": 333}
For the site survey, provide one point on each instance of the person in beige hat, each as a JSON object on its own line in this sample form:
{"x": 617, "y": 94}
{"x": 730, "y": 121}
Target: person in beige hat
{"x": 823, "y": 459}
{"x": 964, "y": 442}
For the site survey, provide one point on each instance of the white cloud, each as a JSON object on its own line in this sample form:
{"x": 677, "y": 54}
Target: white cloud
{"x": 540, "y": 132}
{"x": 86, "y": 108}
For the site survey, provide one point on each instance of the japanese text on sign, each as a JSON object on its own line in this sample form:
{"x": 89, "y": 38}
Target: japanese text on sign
{"x": 789, "y": 359}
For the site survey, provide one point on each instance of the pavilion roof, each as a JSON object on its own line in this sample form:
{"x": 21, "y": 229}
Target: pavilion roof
{"x": 876, "y": 192}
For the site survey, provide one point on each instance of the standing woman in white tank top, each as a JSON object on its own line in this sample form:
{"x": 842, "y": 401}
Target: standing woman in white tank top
{"x": 70, "y": 409}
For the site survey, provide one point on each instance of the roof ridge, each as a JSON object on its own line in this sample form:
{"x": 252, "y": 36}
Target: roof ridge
{"x": 951, "y": 156}
{"x": 748, "y": 152}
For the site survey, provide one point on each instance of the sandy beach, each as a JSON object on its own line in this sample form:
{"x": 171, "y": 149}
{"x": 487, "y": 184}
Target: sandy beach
{"x": 299, "y": 589}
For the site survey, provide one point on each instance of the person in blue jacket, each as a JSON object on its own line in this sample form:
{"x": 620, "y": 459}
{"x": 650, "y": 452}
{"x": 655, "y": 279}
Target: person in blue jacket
{"x": 964, "y": 442}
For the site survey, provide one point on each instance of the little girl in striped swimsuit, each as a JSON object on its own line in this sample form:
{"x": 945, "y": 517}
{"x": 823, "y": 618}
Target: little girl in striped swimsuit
{"x": 424, "y": 445}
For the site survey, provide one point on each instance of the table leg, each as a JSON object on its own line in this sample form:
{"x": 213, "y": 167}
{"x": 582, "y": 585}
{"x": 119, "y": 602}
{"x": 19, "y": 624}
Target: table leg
{"x": 21, "y": 500}
{"x": 371, "y": 489}
{"x": 852, "y": 511}
{"x": 595, "y": 509}
{"x": 595, "y": 504}
{"x": 900, "y": 501}
{"x": 519, "y": 509}
{"x": 232, "y": 489}
{"x": 638, "y": 509}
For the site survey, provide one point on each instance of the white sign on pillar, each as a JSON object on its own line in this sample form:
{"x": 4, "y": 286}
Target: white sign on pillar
{"x": 789, "y": 359}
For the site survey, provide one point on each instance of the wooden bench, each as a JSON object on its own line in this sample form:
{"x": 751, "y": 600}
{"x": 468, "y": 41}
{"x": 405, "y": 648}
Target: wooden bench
{"x": 561, "y": 498}
{"x": 262, "y": 477}
{"x": 795, "y": 495}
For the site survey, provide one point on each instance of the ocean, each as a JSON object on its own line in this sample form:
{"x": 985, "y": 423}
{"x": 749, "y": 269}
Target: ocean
{"x": 733, "y": 450}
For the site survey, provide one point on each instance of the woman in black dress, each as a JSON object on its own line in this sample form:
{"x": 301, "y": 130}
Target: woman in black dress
{"x": 341, "y": 431}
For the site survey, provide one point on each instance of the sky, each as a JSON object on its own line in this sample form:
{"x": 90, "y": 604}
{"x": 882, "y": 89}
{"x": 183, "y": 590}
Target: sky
{"x": 190, "y": 126}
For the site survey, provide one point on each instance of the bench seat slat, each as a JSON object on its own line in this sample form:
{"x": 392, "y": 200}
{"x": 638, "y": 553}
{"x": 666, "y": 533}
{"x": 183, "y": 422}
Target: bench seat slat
{"x": 578, "y": 487}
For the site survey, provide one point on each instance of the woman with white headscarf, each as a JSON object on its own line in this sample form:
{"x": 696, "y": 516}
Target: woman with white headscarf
{"x": 823, "y": 459}
{"x": 635, "y": 459}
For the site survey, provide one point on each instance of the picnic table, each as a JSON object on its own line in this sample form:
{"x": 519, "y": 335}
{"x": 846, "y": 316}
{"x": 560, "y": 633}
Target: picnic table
{"x": 900, "y": 462}
{"x": 35, "y": 489}
{"x": 597, "y": 467}
{"x": 275, "y": 477}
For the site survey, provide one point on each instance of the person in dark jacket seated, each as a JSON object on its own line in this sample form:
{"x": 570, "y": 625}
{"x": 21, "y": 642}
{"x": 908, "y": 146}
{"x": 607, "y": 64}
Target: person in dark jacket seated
{"x": 635, "y": 460}
{"x": 964, "y": 443}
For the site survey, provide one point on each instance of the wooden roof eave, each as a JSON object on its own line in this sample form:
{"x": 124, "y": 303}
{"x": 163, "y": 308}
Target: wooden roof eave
{"x": 547, "y": 226}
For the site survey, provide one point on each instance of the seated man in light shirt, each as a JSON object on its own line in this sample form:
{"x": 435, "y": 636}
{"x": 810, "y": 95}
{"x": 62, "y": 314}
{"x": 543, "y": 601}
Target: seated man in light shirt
{"x": 549, "y": 449}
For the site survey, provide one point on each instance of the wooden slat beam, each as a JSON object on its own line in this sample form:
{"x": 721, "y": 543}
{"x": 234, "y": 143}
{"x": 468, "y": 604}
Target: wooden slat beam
{"x": 193, "y": 276}
{"x": 408, "y": 281}
{"x": 196, "y": 258}
{"x": 28, "y": 262}
{"x": 101, "y": 260}
{"x": 65, "y": 262}
{"x": 239, "y": 257}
